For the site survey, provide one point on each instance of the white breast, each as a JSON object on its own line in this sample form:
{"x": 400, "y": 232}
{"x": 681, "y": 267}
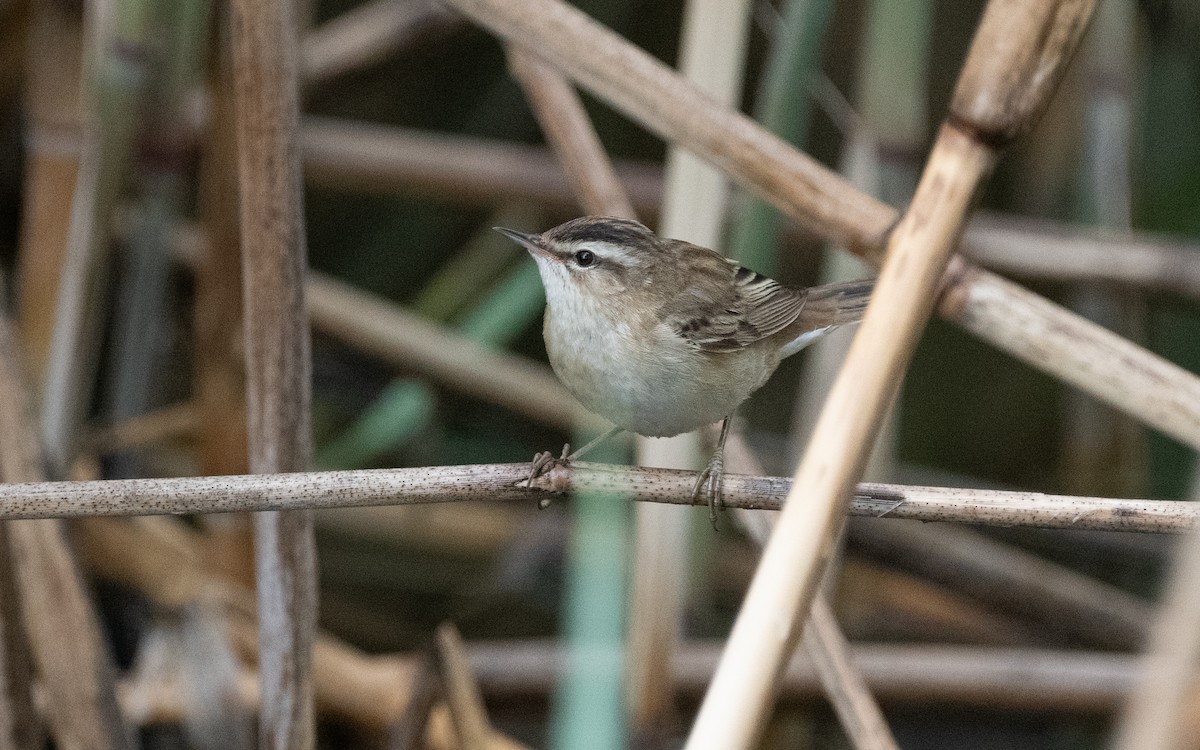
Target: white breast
{"x": 653, "y": 383}
{"x": 626, "y": 366}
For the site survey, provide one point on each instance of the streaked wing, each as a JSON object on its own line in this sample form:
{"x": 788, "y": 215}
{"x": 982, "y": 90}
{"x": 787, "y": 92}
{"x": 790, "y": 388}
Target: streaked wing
{"x": 734, "y": 306}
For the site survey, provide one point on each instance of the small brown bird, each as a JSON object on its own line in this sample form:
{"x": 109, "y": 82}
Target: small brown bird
{"x": 661, "y": 336}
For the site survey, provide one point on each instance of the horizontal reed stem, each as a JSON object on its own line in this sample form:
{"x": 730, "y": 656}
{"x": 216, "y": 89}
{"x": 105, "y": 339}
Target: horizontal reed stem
{"x": 439, "y": 484}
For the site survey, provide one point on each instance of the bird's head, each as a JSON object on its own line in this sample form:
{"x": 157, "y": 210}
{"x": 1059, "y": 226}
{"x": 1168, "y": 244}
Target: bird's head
{"x": 592, "y": 255}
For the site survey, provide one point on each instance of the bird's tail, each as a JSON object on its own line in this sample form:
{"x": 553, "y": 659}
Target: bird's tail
{"x": 825, "y": 308}
{"x": 838, "y": 304}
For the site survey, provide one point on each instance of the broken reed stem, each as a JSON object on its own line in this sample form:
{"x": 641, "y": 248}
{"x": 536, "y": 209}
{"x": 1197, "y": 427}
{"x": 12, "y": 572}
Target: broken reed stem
{"x": 408, "y": 731}
{"x": 278, "y": 364}
{"x": 463, "y": 696}
{"x": 1149, "y": 388}
{"x": 505, "y": 482}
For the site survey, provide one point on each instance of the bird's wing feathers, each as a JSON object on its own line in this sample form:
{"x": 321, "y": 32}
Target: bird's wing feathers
{"x": 730, "y": 316}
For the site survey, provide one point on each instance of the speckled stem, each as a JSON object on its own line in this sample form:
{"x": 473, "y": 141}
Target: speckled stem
{"x": 440, "y": 484}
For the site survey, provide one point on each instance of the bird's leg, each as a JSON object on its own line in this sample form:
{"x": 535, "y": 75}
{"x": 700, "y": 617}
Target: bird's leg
{"x": 712, "y": 479}
{"x": 591, "y": 444}
{"x": 545, "y": 461}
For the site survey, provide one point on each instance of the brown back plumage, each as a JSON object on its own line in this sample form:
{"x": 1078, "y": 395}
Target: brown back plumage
{"x": 721, "y": 306}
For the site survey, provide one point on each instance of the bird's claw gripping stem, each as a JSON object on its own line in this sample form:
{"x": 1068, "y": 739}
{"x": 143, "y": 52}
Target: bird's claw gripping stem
{"x": 711, "y": 483}
{"x": 544, "y": 462}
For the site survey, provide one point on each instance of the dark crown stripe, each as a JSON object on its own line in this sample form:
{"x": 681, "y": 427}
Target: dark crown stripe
{"x": 611, "y": 231}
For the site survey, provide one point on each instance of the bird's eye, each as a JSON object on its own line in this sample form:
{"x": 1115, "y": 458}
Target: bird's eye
{"x": 585, "y": 258}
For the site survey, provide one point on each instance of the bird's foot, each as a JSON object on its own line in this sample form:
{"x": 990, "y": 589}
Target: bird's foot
{"x": 711, "y": 483}
{"x": 544, "y": 462}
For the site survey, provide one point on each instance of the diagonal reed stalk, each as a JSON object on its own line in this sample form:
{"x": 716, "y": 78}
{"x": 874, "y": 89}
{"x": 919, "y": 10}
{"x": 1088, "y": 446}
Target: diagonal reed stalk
{"x": 777, "y": 602}
{"x": 593, "y": 179}
{"x": 1010, "y": 71}
{"x": 823, "y": 641}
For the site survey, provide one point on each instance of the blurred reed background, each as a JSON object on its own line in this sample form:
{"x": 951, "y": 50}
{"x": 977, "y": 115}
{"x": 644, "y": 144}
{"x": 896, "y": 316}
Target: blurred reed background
{"x": 118, "y": 170}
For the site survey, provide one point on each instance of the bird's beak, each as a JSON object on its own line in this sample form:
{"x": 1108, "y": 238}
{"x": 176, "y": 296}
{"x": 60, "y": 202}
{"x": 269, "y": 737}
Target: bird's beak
{"x": 531, "y": 242}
